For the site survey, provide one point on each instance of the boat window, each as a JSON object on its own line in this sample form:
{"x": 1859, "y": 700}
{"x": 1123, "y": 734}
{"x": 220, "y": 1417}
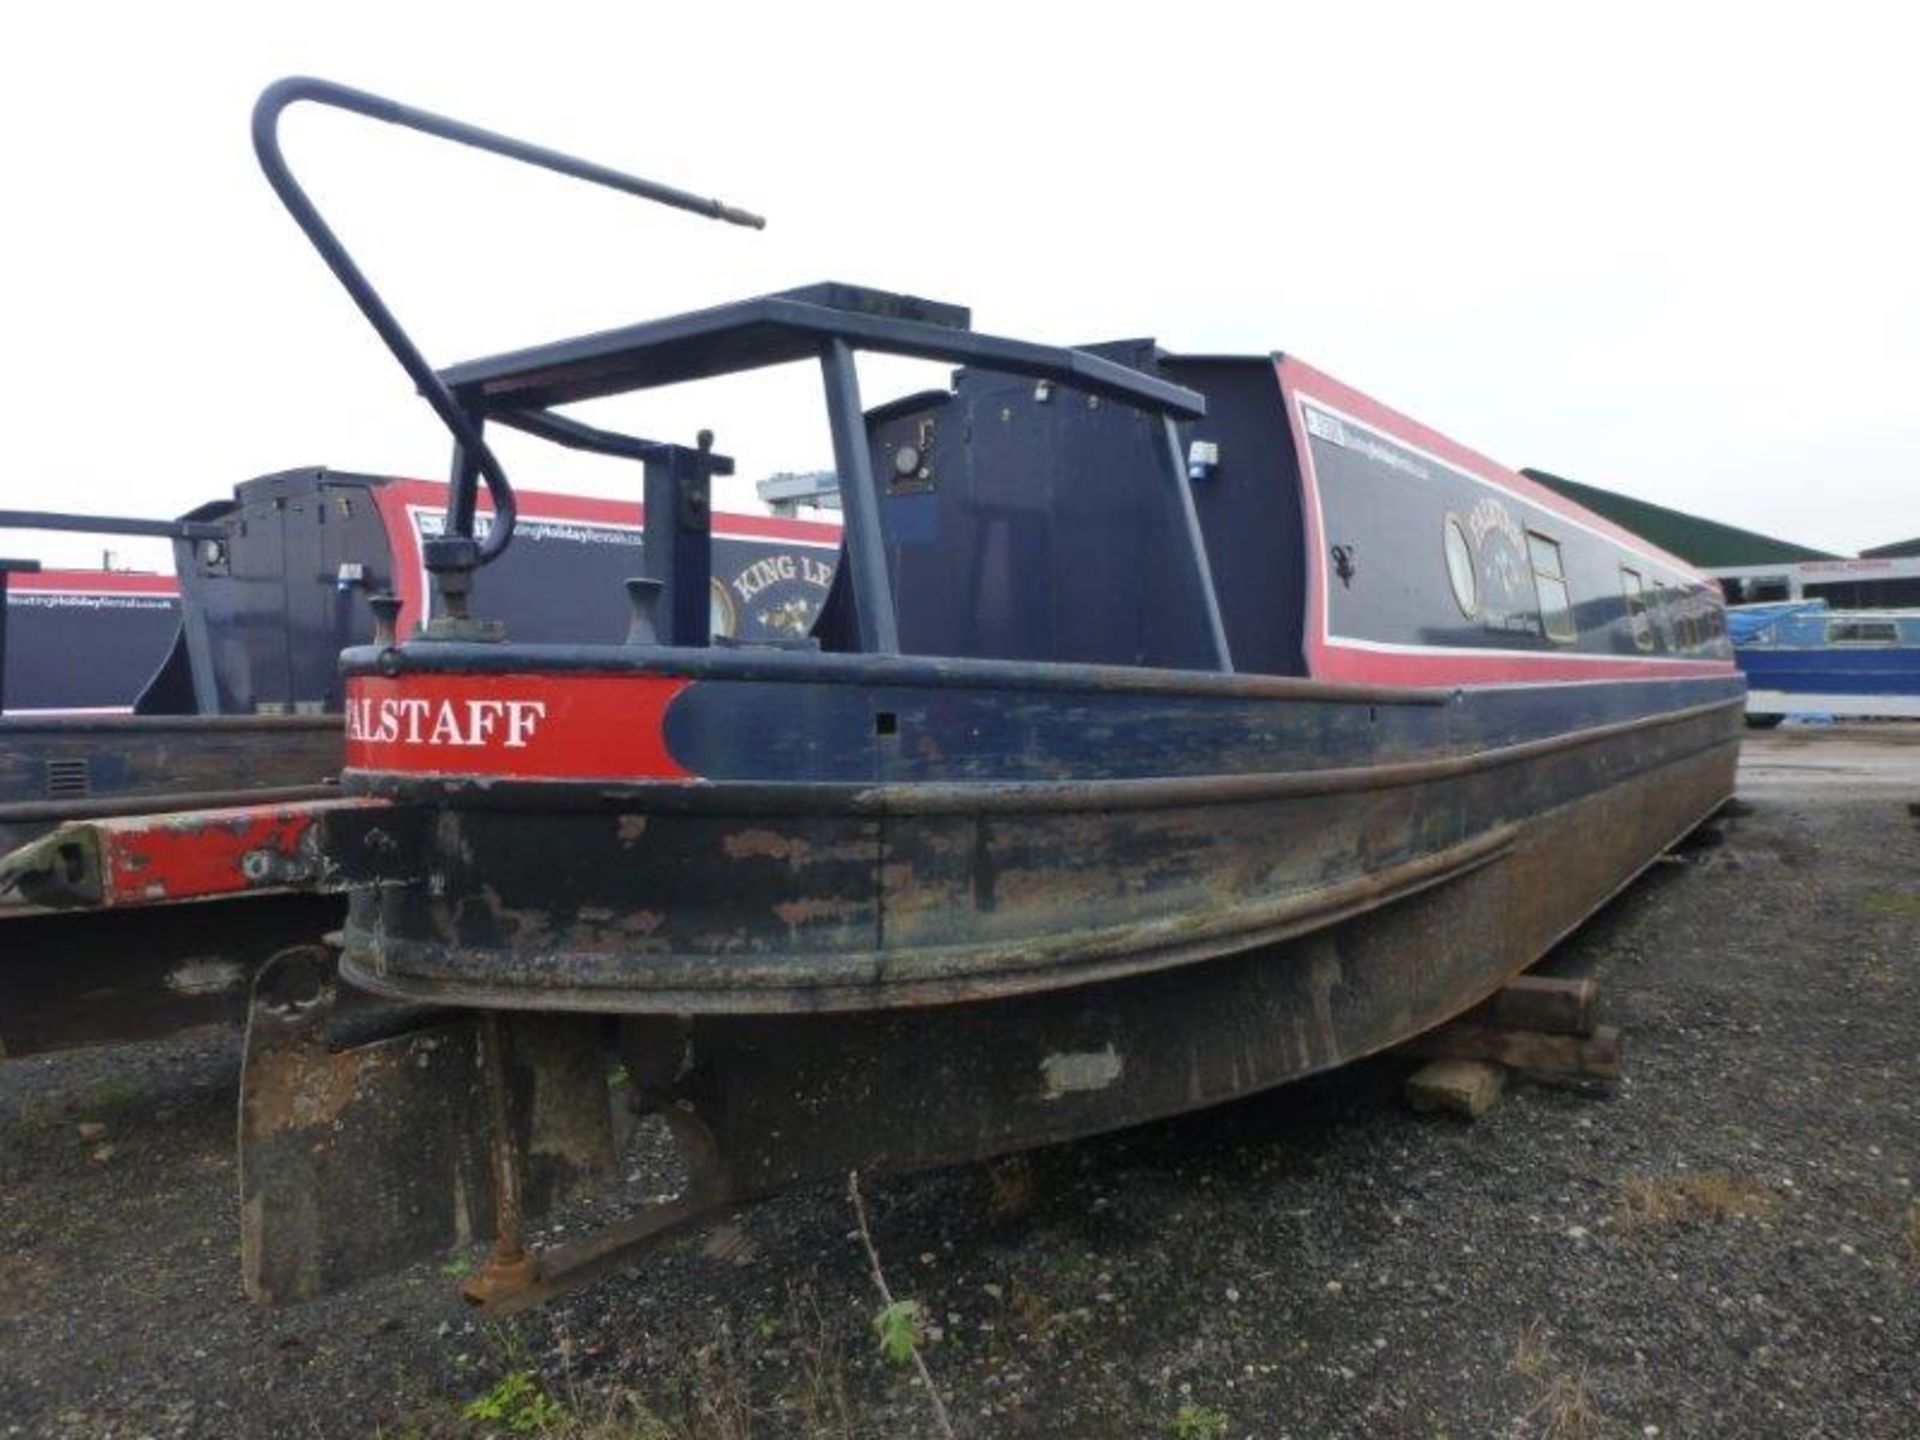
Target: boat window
{"x": 1635, "y": 589}
{"x": 1685, "y": 636}
{"x": 1863, "y": 632}
{"x": 1460, "y": 571}
{"x": 1672, "y": 618}
{"x": 1550, "y": 583}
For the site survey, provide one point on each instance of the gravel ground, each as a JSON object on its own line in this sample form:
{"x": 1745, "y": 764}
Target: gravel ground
{"x": 1726, "y": 1243}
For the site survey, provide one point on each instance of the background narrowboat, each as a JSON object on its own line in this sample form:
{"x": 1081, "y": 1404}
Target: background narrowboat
{"x": 84, "y": 641}
{"x": 137, "y": 694}
{"x": 1807, "y": 658}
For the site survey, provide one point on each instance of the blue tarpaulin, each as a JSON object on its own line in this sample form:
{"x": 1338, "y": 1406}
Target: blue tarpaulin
{"x": 1746, "y": 621}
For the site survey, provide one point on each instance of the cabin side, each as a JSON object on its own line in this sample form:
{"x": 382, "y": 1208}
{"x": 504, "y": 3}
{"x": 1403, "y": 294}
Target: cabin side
{"x": 1027, "y": 521}
{"x": 287, "y": 586}
{"x": 1437, "y": 566}
{"x": 121, "y": 622}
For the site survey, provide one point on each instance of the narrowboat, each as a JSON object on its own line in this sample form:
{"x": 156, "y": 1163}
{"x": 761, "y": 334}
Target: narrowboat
{"x": 219, "y": 686}
{"x": 1174, "y": 727}
{"x": 122, "y": 621}
{"x": 1808, "y": 658}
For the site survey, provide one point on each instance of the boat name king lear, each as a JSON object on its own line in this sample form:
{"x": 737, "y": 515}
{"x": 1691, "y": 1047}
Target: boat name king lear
{"x": 411, "y": 720}
{"x": 772, "y": 569}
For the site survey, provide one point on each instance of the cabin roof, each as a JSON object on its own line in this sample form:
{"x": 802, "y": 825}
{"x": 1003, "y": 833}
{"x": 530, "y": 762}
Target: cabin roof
{"x": 780, "y": 328}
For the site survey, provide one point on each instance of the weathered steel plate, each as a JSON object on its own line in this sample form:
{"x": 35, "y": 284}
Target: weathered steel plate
{"x": 356, "y": 1161}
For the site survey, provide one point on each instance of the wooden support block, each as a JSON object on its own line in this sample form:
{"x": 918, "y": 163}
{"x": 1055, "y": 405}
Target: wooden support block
{"x": 1462, "y": 1087}
{"x": 1590, "y": 1057}
{"x": 1538, "y": 1002}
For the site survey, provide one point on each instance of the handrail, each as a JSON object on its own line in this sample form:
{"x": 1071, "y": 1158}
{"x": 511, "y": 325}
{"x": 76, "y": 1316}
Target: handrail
{"x": 274, "y": 101}
{"x": 109, "y": 525}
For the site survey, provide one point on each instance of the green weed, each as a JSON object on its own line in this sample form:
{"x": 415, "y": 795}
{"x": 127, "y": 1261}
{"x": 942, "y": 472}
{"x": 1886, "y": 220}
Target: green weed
{"x": 1198, "y": 1422}
{"x": 901, "y": 1327}
{"x": 517, "y": 1402}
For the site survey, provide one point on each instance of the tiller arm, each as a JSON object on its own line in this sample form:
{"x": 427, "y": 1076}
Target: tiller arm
{"x": 456, "y": 550}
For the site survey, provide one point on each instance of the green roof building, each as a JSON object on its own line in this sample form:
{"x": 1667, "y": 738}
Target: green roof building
{"x": 1702, "y": 542}
{"x": 1898, "y": 550}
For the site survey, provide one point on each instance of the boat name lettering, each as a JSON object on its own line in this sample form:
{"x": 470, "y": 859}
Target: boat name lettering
{"x": 1490, "y": 516}
{"x": 772, "y": 569}
{"x": 415, "y": 720}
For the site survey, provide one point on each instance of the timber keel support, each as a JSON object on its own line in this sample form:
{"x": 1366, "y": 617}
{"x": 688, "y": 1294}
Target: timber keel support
{"x": 1534, "y": 1024}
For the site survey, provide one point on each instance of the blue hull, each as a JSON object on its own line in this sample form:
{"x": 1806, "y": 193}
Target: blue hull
{"x": 1892, "y": 671}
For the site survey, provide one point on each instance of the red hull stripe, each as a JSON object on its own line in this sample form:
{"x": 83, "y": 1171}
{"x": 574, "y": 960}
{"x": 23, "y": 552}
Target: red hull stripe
{"x": 1435, "y": 668}
{"x": 523, "y": 727}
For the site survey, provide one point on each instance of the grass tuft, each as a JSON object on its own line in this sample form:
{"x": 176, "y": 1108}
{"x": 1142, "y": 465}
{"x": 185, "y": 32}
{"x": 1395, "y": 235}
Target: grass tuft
{"x": 1649, "y": 1204}
{"x": 1562, "y": 1407}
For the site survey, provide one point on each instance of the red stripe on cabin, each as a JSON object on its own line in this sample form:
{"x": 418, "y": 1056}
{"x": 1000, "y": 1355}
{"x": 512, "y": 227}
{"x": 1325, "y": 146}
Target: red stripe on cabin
{"x": 1299, "y": 377}
{"x": 391, "y": 502}
{"x": 1330, "y": 659}
{"x": 397, "y": 497}
{"x": 524, "y": 727}
{"x": 1315, "y": 621}
{"x": 547, "y": 505}
{"x": 95, "y": 582}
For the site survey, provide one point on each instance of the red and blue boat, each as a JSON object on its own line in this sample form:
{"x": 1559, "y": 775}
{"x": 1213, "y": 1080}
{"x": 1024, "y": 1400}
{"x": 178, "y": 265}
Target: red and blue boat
{"x": 1175, "y": 726}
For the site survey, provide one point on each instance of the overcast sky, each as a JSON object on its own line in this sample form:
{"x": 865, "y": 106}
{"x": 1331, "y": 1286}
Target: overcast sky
{"x": 1674, "y": 251}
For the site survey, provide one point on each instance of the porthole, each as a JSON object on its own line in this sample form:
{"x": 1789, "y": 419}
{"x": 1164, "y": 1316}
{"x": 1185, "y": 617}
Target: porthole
{"x": 1460, "y": 571}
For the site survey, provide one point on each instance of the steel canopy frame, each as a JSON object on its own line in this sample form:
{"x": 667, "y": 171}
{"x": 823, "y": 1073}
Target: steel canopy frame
{"x": 827, "y": 322}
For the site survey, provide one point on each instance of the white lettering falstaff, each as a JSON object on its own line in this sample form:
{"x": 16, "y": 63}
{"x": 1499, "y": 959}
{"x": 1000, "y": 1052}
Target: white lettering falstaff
{"x": 410, "y": 720}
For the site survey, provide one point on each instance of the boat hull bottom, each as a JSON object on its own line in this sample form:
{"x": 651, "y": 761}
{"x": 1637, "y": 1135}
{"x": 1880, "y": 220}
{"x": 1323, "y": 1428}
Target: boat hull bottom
{"x": 792, "y": 1098}
{"x": 762, "y": 1103}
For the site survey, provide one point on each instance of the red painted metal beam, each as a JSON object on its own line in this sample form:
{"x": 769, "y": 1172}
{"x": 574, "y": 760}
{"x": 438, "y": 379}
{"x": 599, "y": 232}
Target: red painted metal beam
{"x": 130, "y": 860}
